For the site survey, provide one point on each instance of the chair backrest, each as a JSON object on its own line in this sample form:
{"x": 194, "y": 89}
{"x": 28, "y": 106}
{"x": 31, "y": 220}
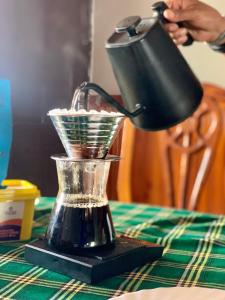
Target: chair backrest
{"x": 181, "y": 167}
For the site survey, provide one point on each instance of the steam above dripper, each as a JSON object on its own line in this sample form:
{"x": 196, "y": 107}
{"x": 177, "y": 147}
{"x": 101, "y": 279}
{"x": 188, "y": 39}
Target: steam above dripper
{"x": 89, "y": 128}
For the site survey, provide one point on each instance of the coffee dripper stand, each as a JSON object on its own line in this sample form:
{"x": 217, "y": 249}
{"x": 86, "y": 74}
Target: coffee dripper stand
{"x": 80, "y": 240}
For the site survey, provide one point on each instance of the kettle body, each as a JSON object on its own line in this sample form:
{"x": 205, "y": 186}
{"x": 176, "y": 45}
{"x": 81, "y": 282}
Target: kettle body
{"x": 152, "y": 74}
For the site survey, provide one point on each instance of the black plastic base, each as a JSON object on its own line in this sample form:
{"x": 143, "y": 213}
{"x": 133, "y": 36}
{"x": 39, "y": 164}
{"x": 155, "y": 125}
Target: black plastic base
{"x": 126, "y": 255}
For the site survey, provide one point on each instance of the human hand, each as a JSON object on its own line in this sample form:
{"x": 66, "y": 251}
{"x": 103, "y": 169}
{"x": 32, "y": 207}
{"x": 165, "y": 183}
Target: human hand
{"x": 202, "y": 21}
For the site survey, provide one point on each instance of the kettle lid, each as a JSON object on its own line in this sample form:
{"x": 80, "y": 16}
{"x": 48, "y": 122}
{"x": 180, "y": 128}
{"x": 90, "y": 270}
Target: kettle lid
{"x": 130, "y": 30}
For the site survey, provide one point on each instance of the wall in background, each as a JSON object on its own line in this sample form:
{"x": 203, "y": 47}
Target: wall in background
{"x": 208, "y": 66}
{"x": 45, "y": 53}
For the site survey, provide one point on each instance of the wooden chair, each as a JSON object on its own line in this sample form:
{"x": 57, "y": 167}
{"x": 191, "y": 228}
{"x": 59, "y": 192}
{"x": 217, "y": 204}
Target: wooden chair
{"x": 184, "y": 166}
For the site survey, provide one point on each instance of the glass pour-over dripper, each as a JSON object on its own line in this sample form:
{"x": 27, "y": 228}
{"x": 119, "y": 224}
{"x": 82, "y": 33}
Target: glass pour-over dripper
{"x": 88, "y": 129}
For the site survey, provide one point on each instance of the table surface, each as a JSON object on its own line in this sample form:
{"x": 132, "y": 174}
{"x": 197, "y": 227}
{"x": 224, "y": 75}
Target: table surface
{"x": 194, "y": 255}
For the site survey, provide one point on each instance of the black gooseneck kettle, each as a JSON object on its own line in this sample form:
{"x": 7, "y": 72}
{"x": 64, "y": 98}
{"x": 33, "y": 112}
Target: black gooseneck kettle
{"x": 157, "y": 85}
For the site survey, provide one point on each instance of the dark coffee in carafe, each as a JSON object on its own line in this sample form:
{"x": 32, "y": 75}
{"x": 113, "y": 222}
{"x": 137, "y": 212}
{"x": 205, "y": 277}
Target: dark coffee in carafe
{"x": 75, "y": 228}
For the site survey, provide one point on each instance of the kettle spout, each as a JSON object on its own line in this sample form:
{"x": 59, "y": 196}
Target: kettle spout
{"x": 110, "y": 100}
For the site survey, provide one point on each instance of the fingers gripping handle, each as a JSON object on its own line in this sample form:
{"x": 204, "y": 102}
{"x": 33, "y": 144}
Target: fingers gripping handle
{"x": 159, "y": 8}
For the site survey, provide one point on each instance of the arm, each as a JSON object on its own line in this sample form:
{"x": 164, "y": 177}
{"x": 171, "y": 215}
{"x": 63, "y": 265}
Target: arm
{"x": 202, "y": 21}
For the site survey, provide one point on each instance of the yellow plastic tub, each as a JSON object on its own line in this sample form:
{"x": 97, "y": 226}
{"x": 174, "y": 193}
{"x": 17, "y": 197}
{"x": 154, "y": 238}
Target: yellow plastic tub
{"x": 17, "y": 210}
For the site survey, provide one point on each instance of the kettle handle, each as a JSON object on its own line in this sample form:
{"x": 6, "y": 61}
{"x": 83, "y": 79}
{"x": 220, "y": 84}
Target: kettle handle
{"x": 159, "y": 8}
{"x": 110, "y": 100}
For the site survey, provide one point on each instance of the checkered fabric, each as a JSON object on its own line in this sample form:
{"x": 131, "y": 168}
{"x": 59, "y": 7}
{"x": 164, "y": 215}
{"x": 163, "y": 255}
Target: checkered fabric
{"x": 194, "y": 255}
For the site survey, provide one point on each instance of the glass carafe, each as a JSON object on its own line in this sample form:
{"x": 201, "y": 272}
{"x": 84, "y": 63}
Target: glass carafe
{"x": 81, "y": 218}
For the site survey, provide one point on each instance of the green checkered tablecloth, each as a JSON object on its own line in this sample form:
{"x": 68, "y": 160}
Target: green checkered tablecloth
{"x": 194, "y": 255}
